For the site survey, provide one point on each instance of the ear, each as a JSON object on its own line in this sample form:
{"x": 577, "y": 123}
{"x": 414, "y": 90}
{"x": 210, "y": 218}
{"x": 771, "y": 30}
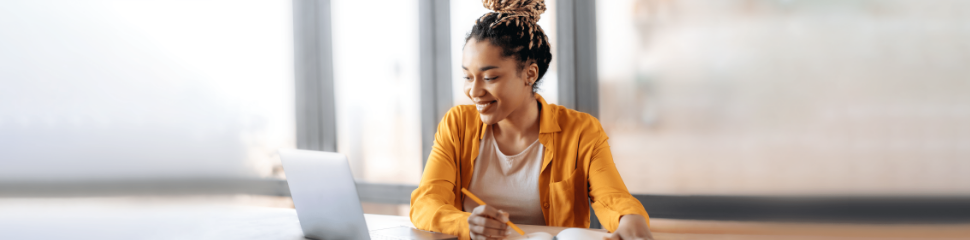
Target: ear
{"x": 531, "y": 74}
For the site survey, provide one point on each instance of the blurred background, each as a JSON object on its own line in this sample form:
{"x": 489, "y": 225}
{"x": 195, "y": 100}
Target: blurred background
{"x": 787, "y": 97}
{"x": 767, "y": 98}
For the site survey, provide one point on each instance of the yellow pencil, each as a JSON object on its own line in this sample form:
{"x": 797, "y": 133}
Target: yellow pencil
{"x": 480, "y": 202}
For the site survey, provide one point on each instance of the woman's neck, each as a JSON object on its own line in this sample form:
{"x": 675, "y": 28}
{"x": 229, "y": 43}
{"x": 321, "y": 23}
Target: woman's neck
{"x": 523, "y": 123}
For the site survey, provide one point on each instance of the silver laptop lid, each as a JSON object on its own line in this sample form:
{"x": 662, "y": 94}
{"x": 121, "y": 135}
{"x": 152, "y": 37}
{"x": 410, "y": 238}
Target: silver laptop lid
{"x": 324, "y": 194}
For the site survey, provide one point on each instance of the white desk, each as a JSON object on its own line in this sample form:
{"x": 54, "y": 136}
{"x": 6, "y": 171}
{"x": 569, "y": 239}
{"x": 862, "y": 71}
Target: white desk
{"x": 126, "y": 222}
{"x": 121, "y": 221}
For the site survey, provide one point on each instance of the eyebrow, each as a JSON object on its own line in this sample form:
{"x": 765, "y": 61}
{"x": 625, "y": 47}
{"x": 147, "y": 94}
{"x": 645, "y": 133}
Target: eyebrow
{"x": 485, "y": 68}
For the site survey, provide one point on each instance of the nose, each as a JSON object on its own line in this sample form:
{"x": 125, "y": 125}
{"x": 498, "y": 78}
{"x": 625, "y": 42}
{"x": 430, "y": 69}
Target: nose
{"x": 475, "y": 88}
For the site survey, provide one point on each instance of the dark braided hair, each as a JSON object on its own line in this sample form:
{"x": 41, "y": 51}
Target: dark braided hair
{"x": 513, "y": 26}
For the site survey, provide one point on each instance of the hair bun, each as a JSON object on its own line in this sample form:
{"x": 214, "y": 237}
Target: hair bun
{"x": 530, "y": 9}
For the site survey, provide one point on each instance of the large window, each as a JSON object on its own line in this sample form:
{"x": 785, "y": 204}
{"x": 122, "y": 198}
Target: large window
{"x": 375, "y": 53}
{"x": 144, "y": 89}
{"x": 463, "y": 17}
{"x": 786, "y": 97}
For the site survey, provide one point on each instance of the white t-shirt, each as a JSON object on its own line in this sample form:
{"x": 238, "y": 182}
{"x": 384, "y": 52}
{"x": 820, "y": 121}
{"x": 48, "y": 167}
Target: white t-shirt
{"x": 508, "y": 183}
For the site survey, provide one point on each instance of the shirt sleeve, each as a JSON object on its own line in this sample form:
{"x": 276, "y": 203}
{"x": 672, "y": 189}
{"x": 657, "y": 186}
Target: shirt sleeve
{"x": 433, "y": 204}
{"x": 608, "y": 194}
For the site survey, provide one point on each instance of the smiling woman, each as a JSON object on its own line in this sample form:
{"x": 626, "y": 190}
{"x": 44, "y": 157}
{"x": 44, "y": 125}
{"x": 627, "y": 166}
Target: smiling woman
{"x": 533, "y": 162}
{"x": 470, "y": 11}
{"x": 497, "y": 84}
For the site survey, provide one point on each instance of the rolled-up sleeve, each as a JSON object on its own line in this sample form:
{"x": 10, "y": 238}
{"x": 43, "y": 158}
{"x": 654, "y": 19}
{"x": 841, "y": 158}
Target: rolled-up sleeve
{"x": 608, "y": 194}
{"x": 433, "y": 204}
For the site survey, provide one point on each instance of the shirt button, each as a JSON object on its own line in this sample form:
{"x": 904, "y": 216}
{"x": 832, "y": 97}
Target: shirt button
{"x": 545, "y": 205}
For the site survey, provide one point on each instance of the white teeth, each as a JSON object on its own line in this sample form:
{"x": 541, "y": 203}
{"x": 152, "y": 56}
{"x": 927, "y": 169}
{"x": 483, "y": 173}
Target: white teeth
{"x": 482, "y": 106}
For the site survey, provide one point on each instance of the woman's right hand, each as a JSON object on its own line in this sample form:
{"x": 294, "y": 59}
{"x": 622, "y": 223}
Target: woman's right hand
{"x": 488, "y": 223}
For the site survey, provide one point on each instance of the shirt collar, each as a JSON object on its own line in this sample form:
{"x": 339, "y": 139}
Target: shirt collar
{"x": 547, "y": 118}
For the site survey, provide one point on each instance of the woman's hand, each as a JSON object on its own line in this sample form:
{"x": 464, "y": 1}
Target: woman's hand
{"x": 632, "y": 226}
{"x": 487, "y": 222}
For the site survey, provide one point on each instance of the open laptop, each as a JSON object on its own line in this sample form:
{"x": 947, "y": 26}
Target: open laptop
{"x": 326, "y": 201}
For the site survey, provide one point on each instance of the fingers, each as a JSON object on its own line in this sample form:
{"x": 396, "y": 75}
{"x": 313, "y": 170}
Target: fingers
{"x": 485, "y": 222}
{"x": 478, "y": 237}
{"x": 613, "y": 236}
{"x": 491, "y": 232}
{"x": 486, "y": 236}
{"x": 482, "y": 230}
{"x": 481, "y": 237}
{"x": 491, "y": 212}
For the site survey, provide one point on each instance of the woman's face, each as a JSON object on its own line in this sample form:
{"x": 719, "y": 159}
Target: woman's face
{"x": 494, "y": 83}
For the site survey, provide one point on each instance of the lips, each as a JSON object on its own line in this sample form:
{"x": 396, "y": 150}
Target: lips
{"x": 484, "y": 106}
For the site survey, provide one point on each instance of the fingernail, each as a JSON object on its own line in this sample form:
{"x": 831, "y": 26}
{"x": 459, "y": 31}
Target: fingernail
{"x": 508, "y": 231}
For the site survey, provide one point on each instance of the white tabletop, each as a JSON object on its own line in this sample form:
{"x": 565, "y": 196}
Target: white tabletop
{"x": 199, "y": 222}
{"x": 37, "y": 220}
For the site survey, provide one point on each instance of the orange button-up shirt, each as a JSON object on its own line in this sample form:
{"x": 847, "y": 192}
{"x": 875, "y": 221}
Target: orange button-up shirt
{"x": 577, "y": 165}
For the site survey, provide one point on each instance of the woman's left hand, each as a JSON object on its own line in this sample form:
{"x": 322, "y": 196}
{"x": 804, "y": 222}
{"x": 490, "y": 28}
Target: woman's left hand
{"x": 632, "y": 227}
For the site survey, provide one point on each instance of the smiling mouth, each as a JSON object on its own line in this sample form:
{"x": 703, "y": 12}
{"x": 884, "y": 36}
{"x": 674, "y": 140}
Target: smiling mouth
{"x": 483, "y": 106}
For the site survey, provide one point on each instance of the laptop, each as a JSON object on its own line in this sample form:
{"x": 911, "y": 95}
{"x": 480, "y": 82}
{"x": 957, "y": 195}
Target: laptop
{"x": 326, "y": 200}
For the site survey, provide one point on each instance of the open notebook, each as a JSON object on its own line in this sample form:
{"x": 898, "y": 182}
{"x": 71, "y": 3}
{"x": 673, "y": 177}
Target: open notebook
{"x": 568, "y": 234}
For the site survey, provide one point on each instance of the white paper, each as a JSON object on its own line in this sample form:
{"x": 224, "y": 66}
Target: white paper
{"x": 568, "y": 234}
{"x": 580, "y": 234}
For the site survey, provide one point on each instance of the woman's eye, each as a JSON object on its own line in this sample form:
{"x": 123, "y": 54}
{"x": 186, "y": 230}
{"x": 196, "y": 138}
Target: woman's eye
{"x": 467, "y": 78}
{"x": 490, "y": 79}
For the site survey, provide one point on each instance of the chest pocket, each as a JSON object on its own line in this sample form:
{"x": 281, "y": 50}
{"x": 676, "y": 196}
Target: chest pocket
{"x": 568, "y": 200}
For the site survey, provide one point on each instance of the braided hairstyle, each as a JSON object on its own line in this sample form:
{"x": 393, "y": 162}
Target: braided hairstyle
{"x": 513, "y": 26}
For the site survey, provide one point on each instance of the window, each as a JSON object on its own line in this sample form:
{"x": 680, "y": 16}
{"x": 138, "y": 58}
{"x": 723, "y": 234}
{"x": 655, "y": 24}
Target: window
{"x": 463, "y": 17}
{"x": 144, "y": 89}
{"x": 377, "y": 89}
{"x": 765, "y": 97}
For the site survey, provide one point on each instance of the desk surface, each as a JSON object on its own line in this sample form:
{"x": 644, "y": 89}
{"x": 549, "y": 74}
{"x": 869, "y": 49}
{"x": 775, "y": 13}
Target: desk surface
{"x": 387, "y": 221}
{"x": 120, "y": 221}
{"x": 170, "y": 222}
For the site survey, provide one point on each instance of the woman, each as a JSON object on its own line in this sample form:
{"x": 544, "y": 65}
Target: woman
{"x": 531, "y": 162}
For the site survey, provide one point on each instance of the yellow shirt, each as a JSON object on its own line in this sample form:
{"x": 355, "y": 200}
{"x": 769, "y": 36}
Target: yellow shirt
{"x": 577, "y": 165}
